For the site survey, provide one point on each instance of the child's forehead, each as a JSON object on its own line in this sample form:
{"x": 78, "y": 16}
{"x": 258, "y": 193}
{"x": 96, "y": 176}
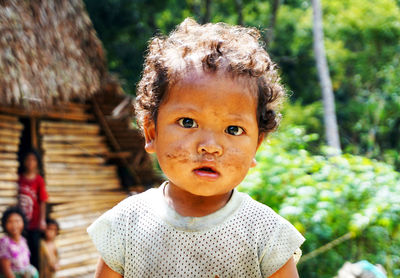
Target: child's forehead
{"x": 198, "y": 77}
{"x": 52, "y": 226}
{"x": 14, "y": 215}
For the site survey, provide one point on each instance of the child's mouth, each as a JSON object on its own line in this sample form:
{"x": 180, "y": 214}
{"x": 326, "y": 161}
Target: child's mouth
{"x": 206, "y": 172}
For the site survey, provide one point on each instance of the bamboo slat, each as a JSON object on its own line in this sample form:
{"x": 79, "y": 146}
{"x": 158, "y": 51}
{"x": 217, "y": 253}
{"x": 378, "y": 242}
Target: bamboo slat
{"x": 89, "y": 189}
{"x": 78, "y": 145}
{"x": 8, "y": 163}
{"x": 74, "y": 248}
{"x": 8, "y": 156}
{"x": 75, "y": 151}
{"x": 72, "y": 138}
{"x": 9, "y": 140}
{"x": 8, "y": 177}
{"x": 9, "y": 201}
{"x": 82, "y": 199}
{"x": 80, "y": 175}
{"x": 79, "y": 217}
{"x": 60, "y": 130}
{"x": 74, "y": 204}
{"x": 8, "y": 193}
{"x": 8, "y": 148}
{"x": 86, "y": 208}
{"x": 5, "y": 185}
{"x": 8, "y": 169}
{"x": 63, "y": 114}
{"x": 10, "y": 133}
{"x": 71, "y": 232}
{"x": 93, "y": 194}
{"x": 73, "y": 159}
{"x": 69, "y": 125}
{"x": 79, "y": 270}
{"x": 11, "y": 125}
{"x": 83, "y": 222}
{"x": 82, "y": 182}
{"x": 8, "y": 118}
{"x": 77, "y": 167}
{"x": 78, "y": 258}
{"x": 75, "y": 233}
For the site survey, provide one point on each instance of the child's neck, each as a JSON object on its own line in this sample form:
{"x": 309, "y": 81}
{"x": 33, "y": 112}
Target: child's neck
{"x": 15, "y": 238}
{"x": 188, "y": 204}
{"x": 30, "y": 174}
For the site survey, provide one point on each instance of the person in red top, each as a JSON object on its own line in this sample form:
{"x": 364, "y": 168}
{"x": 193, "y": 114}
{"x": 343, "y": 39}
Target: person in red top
{"x": 32, "y": 198}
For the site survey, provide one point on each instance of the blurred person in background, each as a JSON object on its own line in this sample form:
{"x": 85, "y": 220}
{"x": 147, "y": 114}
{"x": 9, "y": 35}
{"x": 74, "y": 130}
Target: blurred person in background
{"x": 32, "y": 197}
{"x": 49, "y": 260}
{"x": 14, "y": 251}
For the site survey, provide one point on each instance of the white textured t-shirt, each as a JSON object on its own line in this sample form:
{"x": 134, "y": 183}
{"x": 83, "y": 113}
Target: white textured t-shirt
{"x": 144, "y": 237}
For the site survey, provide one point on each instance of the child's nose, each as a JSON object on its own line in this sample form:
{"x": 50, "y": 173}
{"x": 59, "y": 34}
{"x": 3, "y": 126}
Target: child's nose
{"x": 211, "y": 146}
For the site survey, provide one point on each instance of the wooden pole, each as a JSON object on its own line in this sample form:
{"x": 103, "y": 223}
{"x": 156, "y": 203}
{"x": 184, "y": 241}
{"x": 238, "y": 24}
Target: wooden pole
{"x": 34, "y": 139}
{"x": 113, "y": 140}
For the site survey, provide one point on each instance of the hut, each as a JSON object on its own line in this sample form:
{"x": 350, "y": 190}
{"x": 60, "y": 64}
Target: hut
{"x": 57, "y": 96}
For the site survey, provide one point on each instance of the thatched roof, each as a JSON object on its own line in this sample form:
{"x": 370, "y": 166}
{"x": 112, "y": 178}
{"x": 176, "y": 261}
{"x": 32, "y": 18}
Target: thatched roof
{"x": 49, "y": 52}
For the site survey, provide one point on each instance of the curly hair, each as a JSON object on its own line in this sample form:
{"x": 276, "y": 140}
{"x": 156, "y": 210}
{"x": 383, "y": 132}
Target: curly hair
{"x": 211, "y": 47}
{"x": 10, "y": 211}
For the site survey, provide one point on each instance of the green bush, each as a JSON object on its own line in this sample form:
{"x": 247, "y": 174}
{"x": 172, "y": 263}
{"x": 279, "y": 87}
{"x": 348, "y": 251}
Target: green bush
{"x": 326, "y": 197}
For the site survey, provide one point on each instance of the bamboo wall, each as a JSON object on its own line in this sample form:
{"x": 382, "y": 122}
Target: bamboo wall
{"x": 10, "y": 132}
{"x": 81, "y": 187}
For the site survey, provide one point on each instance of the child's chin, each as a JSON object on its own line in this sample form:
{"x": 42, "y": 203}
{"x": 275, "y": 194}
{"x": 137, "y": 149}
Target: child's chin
{"x": 206, "y": 192}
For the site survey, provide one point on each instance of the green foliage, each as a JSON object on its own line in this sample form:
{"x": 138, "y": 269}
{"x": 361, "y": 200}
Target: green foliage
{"x": 362, "y": 44}
{"x": 326, "y": 197}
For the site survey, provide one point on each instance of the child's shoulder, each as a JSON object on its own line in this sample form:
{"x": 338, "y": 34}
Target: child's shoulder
{"x": 259, "y": 211}
{"x": 138, "y": 201}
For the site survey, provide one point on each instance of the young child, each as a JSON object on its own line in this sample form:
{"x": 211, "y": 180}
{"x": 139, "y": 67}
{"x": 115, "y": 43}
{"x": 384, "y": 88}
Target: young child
{"x": 14, "y": 251}
{"x": 32, "y": 199}
{"x": 48, "y": 250}
{"x": 208, "y": 96}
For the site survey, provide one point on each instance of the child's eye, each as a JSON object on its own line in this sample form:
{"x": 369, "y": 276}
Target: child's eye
{"x": 234, "y": 130}
{"x": 187, "y": 123}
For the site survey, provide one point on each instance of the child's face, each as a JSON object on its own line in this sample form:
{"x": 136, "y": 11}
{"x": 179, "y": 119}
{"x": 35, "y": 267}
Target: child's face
{"x": 51, "y": 232}
{"x": 14, "y": 225}
{"x": 207, "y": 133}
{"x": 31, "y": 163}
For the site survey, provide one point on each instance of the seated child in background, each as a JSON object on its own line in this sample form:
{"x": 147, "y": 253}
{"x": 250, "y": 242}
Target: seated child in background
{"x": 48, "y": 250}
{"x": 208, "y": 97}
{"x": 14, "y": 251}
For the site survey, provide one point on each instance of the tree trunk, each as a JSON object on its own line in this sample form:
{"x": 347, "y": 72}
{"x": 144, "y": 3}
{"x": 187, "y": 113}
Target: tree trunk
{"x": 195, "y": 8}
{"x": 331, "y": 127}
{"x": 239, "y": 11}
{"x": 272, "y": 21}
{"x": 207, "y": 12}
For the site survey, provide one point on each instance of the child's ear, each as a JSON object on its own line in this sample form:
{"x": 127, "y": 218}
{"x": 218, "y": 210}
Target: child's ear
{"x": 260, "y": 140}
{"x": 149, "y": 130}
